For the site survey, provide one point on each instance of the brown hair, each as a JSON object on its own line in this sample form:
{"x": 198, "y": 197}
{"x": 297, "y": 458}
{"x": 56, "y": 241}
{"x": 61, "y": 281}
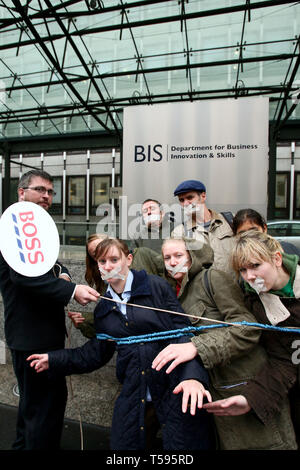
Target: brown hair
{"x": 92, "y": 275}
{"x": 26, "y": 178}
{"x": 152, "y": 200}
{"x": 106, "y": 244}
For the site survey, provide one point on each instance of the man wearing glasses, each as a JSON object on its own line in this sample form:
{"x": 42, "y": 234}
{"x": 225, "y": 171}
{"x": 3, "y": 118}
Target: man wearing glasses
{"x": 38, "y": 190}
{"x": 35, "y": 321}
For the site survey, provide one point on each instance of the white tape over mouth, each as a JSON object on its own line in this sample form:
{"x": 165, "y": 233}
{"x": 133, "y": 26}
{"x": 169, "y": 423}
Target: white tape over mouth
{"x": 151, "y": 218}
{"x": 179, "y": 268}
{"x": 113, "y": 274}
{"x": 191, "y": 209}
{"x": 258, "y": 285}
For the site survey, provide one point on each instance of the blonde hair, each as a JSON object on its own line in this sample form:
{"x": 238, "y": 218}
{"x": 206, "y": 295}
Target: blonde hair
{"x": 253, "y": 244}
{"x": 187, "y": 244}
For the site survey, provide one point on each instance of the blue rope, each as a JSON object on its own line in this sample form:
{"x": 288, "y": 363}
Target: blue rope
{"x": 160, "y": 335}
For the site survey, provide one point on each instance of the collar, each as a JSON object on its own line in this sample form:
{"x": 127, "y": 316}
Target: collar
{"x": 215, "y": 221}
{"x": 275, "y": 311}
{"x": 140, "y": 286}
{"x": 125, "y": 295}
{"x": 127, "y": 288}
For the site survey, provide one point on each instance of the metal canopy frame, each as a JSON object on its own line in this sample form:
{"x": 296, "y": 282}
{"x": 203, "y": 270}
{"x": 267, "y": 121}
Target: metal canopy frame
{"x": 63, "y": 36}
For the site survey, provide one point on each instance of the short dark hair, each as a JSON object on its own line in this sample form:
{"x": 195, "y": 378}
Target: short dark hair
{"x": 153, "y": 200}
{"x": 247, "y": 214}
{"x": 25, "y": 179}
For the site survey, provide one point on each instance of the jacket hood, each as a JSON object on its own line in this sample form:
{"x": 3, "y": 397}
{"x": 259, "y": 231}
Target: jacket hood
{"x": 140, "y": 287}
{"x": 202, "y": 256}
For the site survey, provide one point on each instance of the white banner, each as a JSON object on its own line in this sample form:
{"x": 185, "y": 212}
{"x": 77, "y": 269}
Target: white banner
{"x": 223, "y": 143}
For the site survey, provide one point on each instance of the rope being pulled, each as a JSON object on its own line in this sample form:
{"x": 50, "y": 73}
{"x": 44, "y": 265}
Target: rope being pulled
{"x": 187, "y": 331}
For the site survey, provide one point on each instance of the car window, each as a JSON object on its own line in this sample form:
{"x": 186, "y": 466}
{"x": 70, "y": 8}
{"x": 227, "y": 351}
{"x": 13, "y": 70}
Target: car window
{"x": 277, "y": 230}
{"x": 295, "y": 230}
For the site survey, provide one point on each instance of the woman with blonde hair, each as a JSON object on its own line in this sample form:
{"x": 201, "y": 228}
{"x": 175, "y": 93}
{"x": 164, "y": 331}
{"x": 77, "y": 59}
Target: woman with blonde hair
{"x": 231, "y": 354}
{"x": 272, "y": 292}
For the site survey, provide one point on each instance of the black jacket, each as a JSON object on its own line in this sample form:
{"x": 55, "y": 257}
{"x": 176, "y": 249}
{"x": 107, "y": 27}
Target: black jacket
{"x": 34, "y": 309}
{"x": 134, "y": 369}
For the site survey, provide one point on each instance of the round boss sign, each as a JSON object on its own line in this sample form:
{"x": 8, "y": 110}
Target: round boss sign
{"x": 29, "y": 239}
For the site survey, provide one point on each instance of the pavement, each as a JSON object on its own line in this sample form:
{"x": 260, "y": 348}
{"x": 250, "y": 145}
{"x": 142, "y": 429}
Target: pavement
{"x": 88, "y": 412}
{"x": 91, "y": 396}
{"x": 92, "y": 437}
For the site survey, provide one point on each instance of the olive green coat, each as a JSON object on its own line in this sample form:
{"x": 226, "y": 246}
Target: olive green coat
{"x": 219, "y": 236}
{"x": 231, "y": 354}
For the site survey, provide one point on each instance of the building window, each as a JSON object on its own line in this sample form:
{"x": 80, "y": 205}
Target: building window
{"x": 76, "y": 195}
{"x": 297, "y": 196}
{"x": 100, "y": 191}
{"x": 56, "y": 208}
{"x": 13, "y": 190}
{"x": 281, "y": 196}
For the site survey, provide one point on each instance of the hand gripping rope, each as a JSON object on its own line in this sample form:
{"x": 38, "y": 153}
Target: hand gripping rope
{"x": 161, "y": 335}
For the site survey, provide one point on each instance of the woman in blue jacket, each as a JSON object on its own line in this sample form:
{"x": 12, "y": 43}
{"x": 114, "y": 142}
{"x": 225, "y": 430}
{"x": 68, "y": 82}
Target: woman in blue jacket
{"x": 143, "y": 387}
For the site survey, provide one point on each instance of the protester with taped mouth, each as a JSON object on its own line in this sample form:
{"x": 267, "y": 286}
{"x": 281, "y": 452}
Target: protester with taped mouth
{"x": 144, "y": 390}
{"x": 205, "y": 224}
{"x": 231, "y": 354}
{"x": 34, "y": 320}
{"x": 155, "y": 226}
{"x": 272, "y": 293}
{"x": 143, "y": 258}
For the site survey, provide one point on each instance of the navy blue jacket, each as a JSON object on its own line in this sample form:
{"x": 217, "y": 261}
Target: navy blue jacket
{"x": 34, "y": 308}
{"x": 134, "y": 371}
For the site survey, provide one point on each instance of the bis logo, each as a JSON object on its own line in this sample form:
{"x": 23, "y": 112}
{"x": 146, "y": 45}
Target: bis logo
{"x": 148, "y": 153}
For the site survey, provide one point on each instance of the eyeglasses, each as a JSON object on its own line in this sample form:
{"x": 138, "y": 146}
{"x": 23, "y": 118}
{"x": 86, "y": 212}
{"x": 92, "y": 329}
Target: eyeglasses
{"x": 42, "y": 190}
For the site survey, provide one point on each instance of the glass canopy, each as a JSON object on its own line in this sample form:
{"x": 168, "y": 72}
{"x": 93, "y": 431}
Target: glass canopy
{"x": 72, "y": 66}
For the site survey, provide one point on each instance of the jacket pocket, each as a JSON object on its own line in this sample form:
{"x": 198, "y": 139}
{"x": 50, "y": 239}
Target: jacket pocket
{"x": 198, "y": 310}
{"x": 248, "y": 432}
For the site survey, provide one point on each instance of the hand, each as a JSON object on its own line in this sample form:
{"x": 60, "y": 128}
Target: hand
{"x": 182, "y": 352}
{"x": 232, "y": 406}
{"x": 39, "y": 361}
{"x": 65, "y": 277}
{"x": 85, "y": 294}
{"x": 76, "y": 318}
{"x": 193, "y": 391}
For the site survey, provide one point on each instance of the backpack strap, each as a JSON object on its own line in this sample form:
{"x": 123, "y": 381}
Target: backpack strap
{"x": 207, "y": 285}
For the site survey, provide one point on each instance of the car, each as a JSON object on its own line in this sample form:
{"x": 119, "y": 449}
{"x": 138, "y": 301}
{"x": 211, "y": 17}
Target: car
{"x": 285, "y": 230}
